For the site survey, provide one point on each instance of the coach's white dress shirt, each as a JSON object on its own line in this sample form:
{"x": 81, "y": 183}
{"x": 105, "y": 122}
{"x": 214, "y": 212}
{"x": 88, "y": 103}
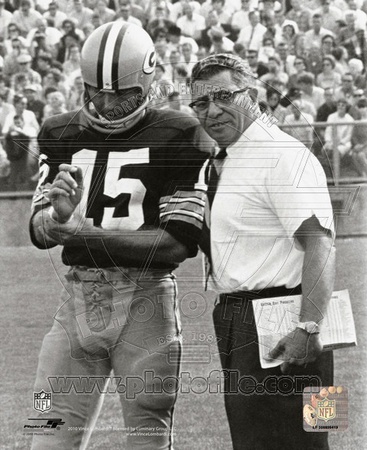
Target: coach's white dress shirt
{"x": 269, "y": 184}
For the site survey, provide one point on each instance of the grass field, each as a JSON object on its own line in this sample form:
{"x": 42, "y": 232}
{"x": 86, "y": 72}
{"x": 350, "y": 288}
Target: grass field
{"x": 30, "y": 289}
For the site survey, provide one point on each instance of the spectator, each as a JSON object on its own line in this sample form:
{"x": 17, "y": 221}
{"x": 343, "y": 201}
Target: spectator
{"x": 24, "y": 61}
{"x": 297, "y": 11}
{"x": 360, "y": 16}
{"x": 55, "y": 15}
{"x": 256, "y": 66}
{"x": 13, "y": 33}
{"x": 177, "y": 9}
{"x": 76, "y": 97}
{"x": 324, "y": 111}
{"x": 240, "y": 19}
{"x": 162, "y": 52}
{"x": 266, "y": 50}
{"x": 5, "y": 110}
{"x": 341, "y": 57}
{"x": 314, "y": 61}
{"x": 286, "y": 59}
{"x": 224, "y": 15}
{"x": 51, "y": 35}
{"x": 352, "y": 109}
{"x": 359, "y": 140}
{"x": 355, "y": 67}
{"x": 273, "y": 106}
{"x": 189, "y": 58}
{"x": 274, "y": 72}
{"x": 67, "y": 41}
{"x": 68, "y": 27}
{"x": 176, "y": 40}
{"x": 124, "y": 13}
{"x": 5, "y": 18}
{"x": 81, "y": 14}
{"x": 310, "y": 92}
{"x": 329, "y": 15}
{"x": 11, "y": 65}
{"x": 220, "y": 43}
{"x": 327, "y": 44}
{"x": 240, "y": 50}
{"x": 305, "y": 105}
{"x": 20, "y": 109}
{"x": 353, "y": 38}
{"x": 328, "y": 107}
{"x": 300, "y": 67}
{"x": 299, "y": 46}
{"x": 43, "y": 64}
{"x": 6, "y": 92}
{"x": 191, "y": 24}
{"x": 26, "y": 17}
{"x": 341, "y": 133}
{"x": 33, "y": 104}
{"x": 160, "y": 19}
{"x": 328, "y": 78}
{"x": 296, "y": 120}
{"x": 346, "y": 90}
{"x": 72, "y": 64}
{"x": 105, "y": 14}
{"x": 16, "y": 144}
{"x": 317, "y": 32}
{"x": 56, "y": 80}
{"x": 55, "y": 105}
{"x": 289, "y": 35}
{"x": 252, "y": 36}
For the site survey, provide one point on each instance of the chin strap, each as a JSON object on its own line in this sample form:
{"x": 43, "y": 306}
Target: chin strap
{"x": 106, "y": 126}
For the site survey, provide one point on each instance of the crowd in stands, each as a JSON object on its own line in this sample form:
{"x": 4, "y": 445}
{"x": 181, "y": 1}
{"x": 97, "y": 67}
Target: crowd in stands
{"x": 309, "y": 58}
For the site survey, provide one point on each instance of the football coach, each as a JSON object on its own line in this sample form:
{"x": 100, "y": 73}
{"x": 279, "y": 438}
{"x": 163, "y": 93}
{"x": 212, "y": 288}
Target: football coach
{"x": 271, "y": 235}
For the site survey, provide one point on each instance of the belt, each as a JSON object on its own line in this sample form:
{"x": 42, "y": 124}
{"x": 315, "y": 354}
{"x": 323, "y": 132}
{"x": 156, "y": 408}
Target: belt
{"x": 81, "y": 273}
{"x": 278, "y": 291}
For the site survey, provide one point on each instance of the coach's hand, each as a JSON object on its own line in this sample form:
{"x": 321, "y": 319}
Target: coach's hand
{"x": 297, "y": 348}
{"x": 66, "y": 192}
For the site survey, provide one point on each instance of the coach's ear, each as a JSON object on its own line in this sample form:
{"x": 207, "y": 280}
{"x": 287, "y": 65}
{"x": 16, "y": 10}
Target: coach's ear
{"x": 252, "y": 92}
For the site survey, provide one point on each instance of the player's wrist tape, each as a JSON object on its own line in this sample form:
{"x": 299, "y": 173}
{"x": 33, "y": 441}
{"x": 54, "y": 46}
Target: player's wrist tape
{"x": 51, "y": 212}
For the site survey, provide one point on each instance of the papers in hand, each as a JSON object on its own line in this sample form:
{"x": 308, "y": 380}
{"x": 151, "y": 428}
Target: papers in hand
{"x": 277, "y": 317}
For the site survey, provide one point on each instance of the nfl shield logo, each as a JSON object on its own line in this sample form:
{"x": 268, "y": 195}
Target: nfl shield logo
{"x": 326, "y": 409}
{"x": 42, "y": 401}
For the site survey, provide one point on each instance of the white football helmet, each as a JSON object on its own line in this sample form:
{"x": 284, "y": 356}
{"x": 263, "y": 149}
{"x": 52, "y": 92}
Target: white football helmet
{"x": 115, "y": 57}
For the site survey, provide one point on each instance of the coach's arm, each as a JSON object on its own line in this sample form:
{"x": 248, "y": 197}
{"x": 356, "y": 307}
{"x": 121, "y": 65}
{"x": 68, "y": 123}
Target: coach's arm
{"x": 318, "y": 275}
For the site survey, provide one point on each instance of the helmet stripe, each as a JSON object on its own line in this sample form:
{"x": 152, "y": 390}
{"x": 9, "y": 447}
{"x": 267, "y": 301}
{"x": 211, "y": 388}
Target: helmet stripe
{"x": 116, "y": 58}
{"x": 109, "y": 53}
{"x": 101, "y": 53}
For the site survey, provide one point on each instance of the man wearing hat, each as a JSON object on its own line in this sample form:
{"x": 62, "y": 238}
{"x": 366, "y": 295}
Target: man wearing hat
{"x": 24, "y": 61}
{"x": 34, "y": 104}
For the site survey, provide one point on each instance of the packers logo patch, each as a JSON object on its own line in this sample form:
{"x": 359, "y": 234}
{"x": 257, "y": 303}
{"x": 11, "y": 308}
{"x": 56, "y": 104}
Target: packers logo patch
{"x": 149, "y": 61}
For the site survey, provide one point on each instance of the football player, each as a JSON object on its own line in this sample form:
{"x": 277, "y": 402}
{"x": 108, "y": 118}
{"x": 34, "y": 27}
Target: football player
{"x": 121, "y": 190}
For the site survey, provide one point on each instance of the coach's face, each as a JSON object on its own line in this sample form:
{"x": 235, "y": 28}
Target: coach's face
{"x": 224, "y": 121}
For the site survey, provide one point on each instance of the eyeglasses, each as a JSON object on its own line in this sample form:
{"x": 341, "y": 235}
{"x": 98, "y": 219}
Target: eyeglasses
{"x": 348, "y": 81}
{"x": 357, "y": 95}
{"x": 223, "y": 96}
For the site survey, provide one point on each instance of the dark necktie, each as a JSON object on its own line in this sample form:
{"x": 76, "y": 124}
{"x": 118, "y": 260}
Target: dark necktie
{"x": 212, "y": 179}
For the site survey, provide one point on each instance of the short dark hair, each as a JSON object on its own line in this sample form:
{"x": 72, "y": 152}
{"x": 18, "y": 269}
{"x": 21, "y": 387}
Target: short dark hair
{"x": 175, "y": 30}
{"x": 306, "y": 78}
{"x": 362, "y": 103}
{"x": 214, "y": 64}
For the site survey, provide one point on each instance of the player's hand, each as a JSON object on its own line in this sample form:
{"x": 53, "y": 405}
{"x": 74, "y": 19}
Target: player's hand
{"x": 297, "y": 348}
{"x": 66, "y": 192}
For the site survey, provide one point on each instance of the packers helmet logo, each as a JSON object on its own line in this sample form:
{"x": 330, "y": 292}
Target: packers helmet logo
{"x": 149, "y": 61}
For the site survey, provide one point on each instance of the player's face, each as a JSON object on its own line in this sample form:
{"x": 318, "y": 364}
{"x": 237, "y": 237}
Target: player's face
{"x": 224, "y": 122}
{"x": 115, "y": 105}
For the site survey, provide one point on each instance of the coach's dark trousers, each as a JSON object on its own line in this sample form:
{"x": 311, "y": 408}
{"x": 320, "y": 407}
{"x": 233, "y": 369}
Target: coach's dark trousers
{"x": 260, "y": 420}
